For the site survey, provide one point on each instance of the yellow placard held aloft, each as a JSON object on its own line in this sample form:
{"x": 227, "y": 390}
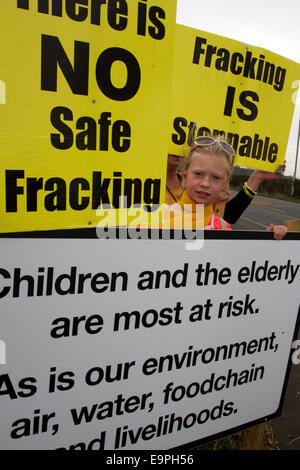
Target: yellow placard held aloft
{"x": 84, "y": 109}
{"x": 224, "y": 87}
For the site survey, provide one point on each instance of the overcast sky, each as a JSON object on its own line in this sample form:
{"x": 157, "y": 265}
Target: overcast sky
{"x": 271, "y": 24}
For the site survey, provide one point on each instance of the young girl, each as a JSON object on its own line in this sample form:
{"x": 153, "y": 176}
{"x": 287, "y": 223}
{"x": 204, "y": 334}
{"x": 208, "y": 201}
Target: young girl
{"x": 206, "y": 176}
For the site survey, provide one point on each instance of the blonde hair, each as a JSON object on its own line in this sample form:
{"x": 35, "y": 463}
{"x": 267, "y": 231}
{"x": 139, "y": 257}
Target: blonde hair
{"x": 214, "y": 149}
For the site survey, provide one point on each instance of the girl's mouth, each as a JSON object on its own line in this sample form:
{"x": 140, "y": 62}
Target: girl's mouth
{"x": 203, "y": 194}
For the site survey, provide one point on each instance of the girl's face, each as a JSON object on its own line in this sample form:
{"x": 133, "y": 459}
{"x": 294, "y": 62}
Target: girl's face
{"x": 205, "y": 178}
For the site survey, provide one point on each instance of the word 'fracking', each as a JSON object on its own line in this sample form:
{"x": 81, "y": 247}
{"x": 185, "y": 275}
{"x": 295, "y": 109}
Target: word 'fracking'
{"x": 240, "y": 64}
{"x": 80, "y": 193}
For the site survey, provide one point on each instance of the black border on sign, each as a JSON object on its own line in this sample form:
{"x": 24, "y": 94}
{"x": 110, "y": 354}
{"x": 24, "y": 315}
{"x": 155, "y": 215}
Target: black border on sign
{"x": 124, "y": 233}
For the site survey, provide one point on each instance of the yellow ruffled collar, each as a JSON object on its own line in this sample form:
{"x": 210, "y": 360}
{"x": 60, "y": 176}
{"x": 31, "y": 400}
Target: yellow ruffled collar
{"x": 186, "y": 200}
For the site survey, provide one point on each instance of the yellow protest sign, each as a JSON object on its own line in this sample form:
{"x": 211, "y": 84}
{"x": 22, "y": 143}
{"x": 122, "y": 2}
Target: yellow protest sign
{"x": 244, "y": 93}
{"x": 84, "y": 108}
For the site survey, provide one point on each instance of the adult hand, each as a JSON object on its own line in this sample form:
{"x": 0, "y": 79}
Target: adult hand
{"x": 258, "y": 176}
{"x": 267, "y": 176}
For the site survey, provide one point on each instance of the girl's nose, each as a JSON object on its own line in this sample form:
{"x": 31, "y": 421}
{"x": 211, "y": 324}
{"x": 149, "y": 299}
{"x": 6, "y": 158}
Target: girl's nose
{"x": 205, "y": 181}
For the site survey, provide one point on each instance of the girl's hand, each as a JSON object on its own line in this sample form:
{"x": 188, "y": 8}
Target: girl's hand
{"x": 278, "y": 230}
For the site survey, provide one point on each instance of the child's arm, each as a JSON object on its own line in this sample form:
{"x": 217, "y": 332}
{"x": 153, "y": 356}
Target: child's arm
{"x": 239, "y": 203}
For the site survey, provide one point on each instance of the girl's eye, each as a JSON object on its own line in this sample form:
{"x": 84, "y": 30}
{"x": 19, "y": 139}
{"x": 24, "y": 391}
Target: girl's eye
{"x": 216, "y": 178}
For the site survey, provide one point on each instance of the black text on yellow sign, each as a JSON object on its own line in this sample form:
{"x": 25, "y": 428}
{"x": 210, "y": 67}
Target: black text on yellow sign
{"x": 78, "y": 120}
{"x": 240, "y": 92}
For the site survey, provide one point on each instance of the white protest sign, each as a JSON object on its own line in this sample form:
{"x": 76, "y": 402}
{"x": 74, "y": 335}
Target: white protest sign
{"x": 142, "y": 344}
